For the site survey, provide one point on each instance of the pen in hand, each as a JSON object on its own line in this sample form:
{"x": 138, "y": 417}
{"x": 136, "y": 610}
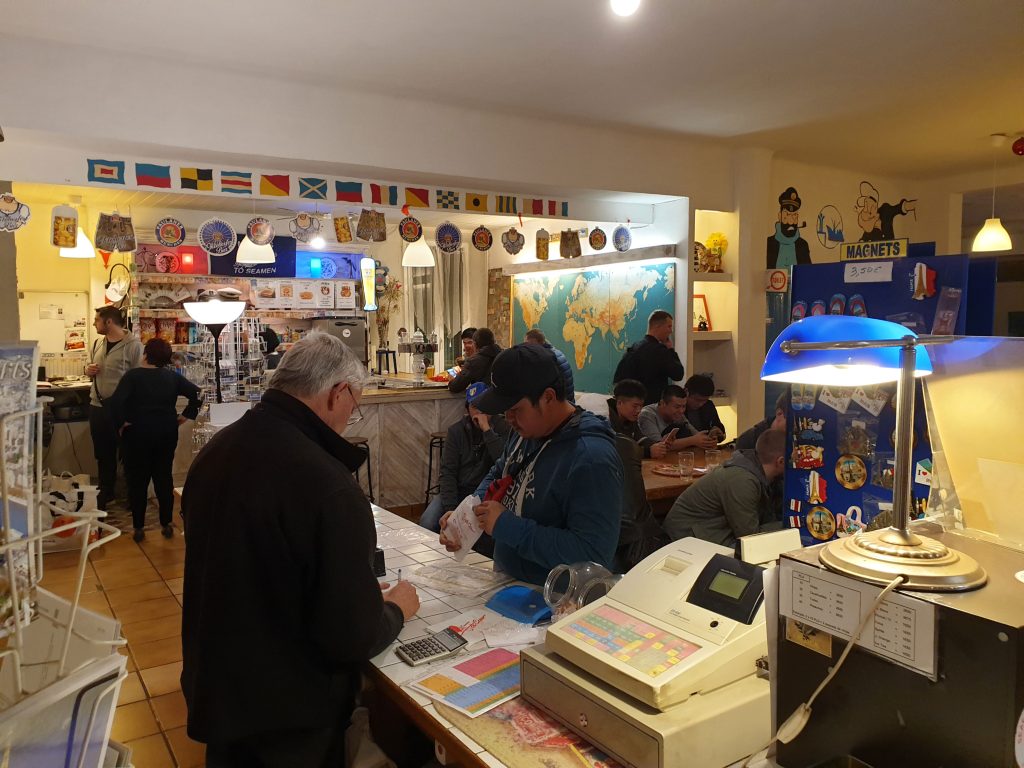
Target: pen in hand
{"x": 399, "y": 574}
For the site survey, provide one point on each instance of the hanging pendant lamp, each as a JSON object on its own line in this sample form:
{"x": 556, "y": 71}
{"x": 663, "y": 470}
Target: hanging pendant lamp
{"x": 993, "y": 235}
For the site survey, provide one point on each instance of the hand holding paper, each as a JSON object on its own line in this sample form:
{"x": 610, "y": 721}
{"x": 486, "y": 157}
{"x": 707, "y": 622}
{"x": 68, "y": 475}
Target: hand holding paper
{"x": 462, "y": 526}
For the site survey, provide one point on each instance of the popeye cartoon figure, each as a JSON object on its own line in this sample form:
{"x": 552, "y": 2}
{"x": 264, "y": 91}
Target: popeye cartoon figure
{"x": 876, "y": 220}
{"x": 786, "y": 247}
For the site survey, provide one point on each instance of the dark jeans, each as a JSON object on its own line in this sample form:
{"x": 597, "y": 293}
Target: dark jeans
{"x": 308, "y": 748}
{"x": 104, "y": 445}
{"x": 149, "y": 456}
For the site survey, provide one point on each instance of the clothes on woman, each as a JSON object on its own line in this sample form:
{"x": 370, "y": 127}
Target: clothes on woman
{"x": 144, "y": 411}
{"x": 114, "y": 359}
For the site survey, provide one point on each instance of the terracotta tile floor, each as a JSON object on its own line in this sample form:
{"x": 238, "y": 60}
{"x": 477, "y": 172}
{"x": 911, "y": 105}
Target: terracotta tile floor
{"x": 140, "y": 584}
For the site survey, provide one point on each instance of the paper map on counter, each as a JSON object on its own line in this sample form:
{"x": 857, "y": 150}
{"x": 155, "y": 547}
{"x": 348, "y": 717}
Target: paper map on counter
{"x": 474, "y": 685}
{"x": 464, "y": 527}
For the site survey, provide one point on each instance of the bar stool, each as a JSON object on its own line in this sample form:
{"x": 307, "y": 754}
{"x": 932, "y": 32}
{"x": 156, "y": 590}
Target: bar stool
{"x": 363, "y": 445}
{"x": 387, "y": 360}
{"x": 436, "y": 442}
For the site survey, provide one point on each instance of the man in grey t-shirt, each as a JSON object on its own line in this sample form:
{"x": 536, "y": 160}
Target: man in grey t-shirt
{"x": 659, "y": 419}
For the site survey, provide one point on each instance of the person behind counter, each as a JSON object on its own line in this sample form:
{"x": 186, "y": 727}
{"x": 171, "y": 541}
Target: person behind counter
{"x": 477, "y": 367}
{"x": 112, "y": 355}
{"x": 736, "y": 499}
{"x": 281, "y": 608}
{"x": 700, "y": 411}
{"x": 145, "y": 414}
{"x": 536, "y": 336}
{"x": 666, "y": 420}
{"x": 653, "y": 360}
{"x": 748, "y": 439}
{"x": 471, "y": 447}
{"x": 468, "y": 346}
{"x": 555, "y": 494}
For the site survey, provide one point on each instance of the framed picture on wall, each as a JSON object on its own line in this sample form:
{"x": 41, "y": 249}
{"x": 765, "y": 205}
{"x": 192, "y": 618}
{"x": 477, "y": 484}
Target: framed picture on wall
{"x": 701, "y": 314}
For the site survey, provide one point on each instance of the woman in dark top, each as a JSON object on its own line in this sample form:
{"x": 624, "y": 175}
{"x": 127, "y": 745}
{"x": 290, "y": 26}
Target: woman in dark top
{"x": 145, "y": 414}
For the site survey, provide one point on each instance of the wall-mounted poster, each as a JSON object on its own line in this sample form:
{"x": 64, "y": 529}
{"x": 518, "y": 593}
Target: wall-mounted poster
{"x": 786, "y": 246}
{"x": 876, "y": 219}
{"x": 345, "y": 298}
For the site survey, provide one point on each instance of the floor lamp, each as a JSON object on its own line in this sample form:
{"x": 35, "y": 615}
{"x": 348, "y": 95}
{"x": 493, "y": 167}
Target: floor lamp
{"x": 215, "y": 314}
{"x": 847, "y": 351}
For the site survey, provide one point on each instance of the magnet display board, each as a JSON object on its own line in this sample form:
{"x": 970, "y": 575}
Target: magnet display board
{"x": 46, "y": 315}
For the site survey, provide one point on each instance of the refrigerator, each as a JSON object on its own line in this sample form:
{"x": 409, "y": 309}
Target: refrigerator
{"x": 351, "y": 330}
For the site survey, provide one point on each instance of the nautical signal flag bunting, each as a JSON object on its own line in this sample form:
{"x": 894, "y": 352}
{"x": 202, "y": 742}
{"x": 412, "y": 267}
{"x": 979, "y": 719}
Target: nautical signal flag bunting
{"x": 384, "y": 194}
{"x": 275, "y": 184}
{"x": 476, "y": 202}
{"x": 236, "y": 182}
{"x": 197, "y": 178}
{"x": 416, "y": 197}
{"x": 106, "y": 171}
{"x": 150, "y": 175}
{"x": 312, "y": 188}
{"x": 348, "y": 191}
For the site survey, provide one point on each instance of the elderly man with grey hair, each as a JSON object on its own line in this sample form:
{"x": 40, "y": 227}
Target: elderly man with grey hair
{"x": 281, "y": 607}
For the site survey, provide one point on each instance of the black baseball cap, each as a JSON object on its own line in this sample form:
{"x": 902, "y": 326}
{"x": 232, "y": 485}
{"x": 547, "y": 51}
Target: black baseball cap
{"x": 524, "y": 370}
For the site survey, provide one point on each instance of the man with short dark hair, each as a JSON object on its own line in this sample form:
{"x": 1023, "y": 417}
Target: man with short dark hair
{"x": 554, "y": 496}
{"x": 624, "y": 408}
{"x": 734, "y": 500}
{"x": 477, "y": 367}
{"x": 748, "y": 439}
{"x": 666, "y": 420}
{"x": 652, "y": 361}
{"x": 112, "y": 355}
{"x": 700, "y": 411}
{"x": 536, "y": 336}
{"x": 468, "y": 345}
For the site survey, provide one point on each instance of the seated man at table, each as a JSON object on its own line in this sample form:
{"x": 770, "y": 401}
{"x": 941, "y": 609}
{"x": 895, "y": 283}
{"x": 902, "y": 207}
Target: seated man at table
{"x": 554, "y": 496}
{"x": 624, "y": 407}
{"x": 748, "y": 439}
{"x": 666, "y": 420}
{"x": 737, "y": 499}
{"x": 478, "y": 366}
{"x": 471, "y": 447}
{"x": 700, "y": 411}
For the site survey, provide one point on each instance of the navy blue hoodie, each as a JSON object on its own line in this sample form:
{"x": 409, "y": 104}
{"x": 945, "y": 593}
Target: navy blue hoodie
{"x": 565, "y": 503}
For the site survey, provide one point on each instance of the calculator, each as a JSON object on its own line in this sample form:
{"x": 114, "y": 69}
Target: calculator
{"x": 441, "y": 645}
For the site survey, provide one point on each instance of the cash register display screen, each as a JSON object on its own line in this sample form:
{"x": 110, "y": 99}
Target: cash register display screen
{"x": 642, "y": 646}
{"x": 728, "y": 584}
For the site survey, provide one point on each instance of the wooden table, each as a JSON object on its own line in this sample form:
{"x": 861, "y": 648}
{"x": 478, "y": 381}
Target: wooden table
{"x": 663, "y": 490}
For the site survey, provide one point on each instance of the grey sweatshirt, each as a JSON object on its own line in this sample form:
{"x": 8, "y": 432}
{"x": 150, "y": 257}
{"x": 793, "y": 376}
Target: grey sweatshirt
{"x": 654, "y": 427}
{"x": 125, "y": 355}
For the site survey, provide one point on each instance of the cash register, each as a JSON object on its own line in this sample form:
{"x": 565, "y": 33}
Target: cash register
{"x": 663, "y": 670}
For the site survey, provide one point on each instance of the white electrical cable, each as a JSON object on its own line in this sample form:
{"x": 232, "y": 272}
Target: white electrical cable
{"x": 796, "y": 722}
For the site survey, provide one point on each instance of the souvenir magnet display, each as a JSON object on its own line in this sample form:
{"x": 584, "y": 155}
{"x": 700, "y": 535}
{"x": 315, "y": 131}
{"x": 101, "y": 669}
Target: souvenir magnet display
{"x": 260, "y": 231}
{"x": 371, "y": 226}
{"x": 217, "y": 237}
{"x": 448, "y": 237}
{"x": 304, "y": 227}
{"x": 851, "y": 472}
{"x": 410, "y": 229}
{"x": 170, "y": 233}
{"x": 543, "y": 243}
{"x": 342, "y": 229}
{"x": 837, "y": 305}
{"x": 850, "y": 523}
{"x": 821, "y": 523}
{"x": 115, "y": 233}
{"x": 818, "y": 308}
{"x": 923, "y": 282}
{"x": 700, "y": 258}
{"x": 622, "y": 238}
{"x": 598, "y": 239}
{"x": 817, "y": 488}
{"x": 810, "y": 430}
{"x": 857, "y": 307}
{"x": 799, "y": 311}
{"x": 13, "y": 214}
{"x": 167, "y": 262}
{"x": 482, "y": 238}
{"x": 64, "y": 227}
{"x": 513, "y": 241}
{"x": 807, "y": 457}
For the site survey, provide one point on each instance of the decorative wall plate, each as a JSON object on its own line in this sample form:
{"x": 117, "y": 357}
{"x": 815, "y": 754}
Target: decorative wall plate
{"x": 482, "y": 238}
{"x": 448, "y": 237}
{"x": 328, "y": 267}
{"x": 410, "y": 229}
{"x": 622, "y": 238}
{"x": 260, "y": 231}
{"x": 304, "y": 227}
{"x": 217, "y": 237}
{"x": 167, "y": 262}
{"x": 513, "y": 241}
{"x": 13, "y": 214}
{"x": 170, "y": 232}
{"x": 598, "y": 239}
{"x": 851, "y": 471}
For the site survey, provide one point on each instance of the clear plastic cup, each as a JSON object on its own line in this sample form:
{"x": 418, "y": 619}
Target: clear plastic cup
{"x": 684, "y": 460}
{"x": 712, "y": 458}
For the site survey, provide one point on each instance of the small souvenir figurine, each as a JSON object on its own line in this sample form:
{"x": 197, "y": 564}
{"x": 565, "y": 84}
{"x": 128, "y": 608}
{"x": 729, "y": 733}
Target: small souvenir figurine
{"x": 716, "y": 246}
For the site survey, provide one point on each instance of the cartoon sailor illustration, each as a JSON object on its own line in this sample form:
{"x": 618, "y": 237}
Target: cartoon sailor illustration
{"x": 876, "y": 220}
{"x": 786, "y": 247}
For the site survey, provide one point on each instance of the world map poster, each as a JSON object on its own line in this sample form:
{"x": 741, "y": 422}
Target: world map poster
{"x": 594, "y": 315}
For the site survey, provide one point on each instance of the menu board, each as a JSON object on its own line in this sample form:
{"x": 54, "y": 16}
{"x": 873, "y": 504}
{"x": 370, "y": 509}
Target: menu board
{"x": 264, "y": 295}
{"x": 324, "y": 294}
{"x": 345, "y": 298}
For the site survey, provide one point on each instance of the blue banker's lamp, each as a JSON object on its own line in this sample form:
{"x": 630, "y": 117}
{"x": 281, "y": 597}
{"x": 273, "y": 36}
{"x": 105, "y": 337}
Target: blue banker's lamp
{"x": 845, "y": 351}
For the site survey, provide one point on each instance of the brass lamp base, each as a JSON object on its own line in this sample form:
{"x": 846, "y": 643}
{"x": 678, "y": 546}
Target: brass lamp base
{"x": 880, "y": 556}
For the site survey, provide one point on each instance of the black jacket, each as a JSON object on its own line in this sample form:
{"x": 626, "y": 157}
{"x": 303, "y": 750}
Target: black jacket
{"x": 281, "y": 607}
{"x": 639, "y": 532}
{"x": 467, "y": 456}
{"x": 147, "y": 398}
{"x": 705, "y": 418}
{"x": 630, "y": 429}
{"x": 651, "y": 363}
{"x": 476, "y": 368}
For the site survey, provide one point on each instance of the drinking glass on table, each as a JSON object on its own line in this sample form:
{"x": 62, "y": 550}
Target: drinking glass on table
{"x": 712, "y": 458}
{"x": 684, "y": 461}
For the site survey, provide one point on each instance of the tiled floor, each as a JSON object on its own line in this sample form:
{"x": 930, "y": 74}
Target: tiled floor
{"x": 140, "y": 584}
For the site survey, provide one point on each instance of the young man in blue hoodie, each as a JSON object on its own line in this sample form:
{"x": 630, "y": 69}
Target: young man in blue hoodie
{"x": 554, "y": 496}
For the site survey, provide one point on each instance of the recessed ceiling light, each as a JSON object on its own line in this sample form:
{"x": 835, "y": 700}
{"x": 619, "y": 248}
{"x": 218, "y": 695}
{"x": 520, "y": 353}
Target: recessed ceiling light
{"x": 625, "y": 7}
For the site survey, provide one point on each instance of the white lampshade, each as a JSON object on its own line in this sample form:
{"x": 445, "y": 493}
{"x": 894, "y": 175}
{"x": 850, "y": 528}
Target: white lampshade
{"x": 418, "y": 254}
{"x": 992, "y": 237}
{"x": 83, "y": 248}
{"x": 215, "y": 311}
{"x": 250, "y": 253}
{"x": 625, "y": 7}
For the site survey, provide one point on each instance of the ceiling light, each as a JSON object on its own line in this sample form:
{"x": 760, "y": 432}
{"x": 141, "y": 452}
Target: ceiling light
{"x": 250, "y": 253}
{"x": 993, "y": 236}
{"x": 625, "y": 7}
{"x": 83, "y": 248}
{"x": 318, "y": 242}
{"x": 418, "y": 254}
